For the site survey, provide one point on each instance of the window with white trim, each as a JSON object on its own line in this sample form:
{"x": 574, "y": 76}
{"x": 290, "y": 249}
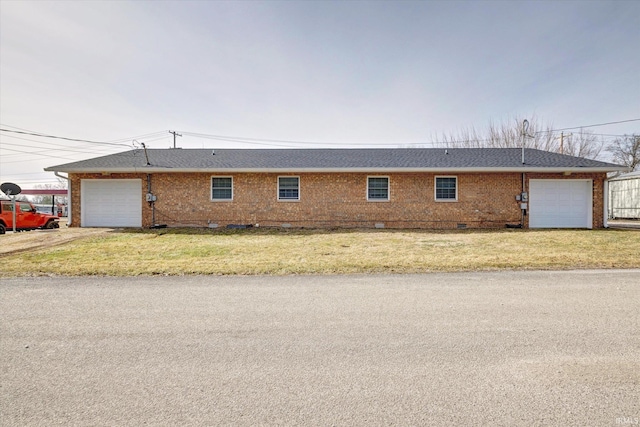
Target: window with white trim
{"x": 221, "y": 188}
{"x": 288, "y": 188}
{"x": 378, "y": 188}
{"x": 446, "y": 188}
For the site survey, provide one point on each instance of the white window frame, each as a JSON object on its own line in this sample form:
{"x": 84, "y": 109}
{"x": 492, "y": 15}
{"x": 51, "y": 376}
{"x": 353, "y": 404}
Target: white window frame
{"x": 288, "y": 199}
{"x": 388, "y": 188}
{"x": 435, "y": 188}
{"x": 211, "y": 189}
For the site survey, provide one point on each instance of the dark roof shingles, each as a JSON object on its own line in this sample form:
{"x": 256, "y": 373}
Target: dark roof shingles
{"x": 333, "y": 158}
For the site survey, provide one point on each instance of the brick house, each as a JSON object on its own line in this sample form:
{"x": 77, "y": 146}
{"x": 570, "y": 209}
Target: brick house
{"x": 384, "y": 188}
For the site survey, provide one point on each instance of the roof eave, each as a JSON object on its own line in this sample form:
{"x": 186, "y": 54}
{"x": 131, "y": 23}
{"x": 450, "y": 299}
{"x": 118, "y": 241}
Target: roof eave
{"x": 152, "y": 169}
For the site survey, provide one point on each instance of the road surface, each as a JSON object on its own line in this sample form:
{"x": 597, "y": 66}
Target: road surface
{"x": 500, "y": 349}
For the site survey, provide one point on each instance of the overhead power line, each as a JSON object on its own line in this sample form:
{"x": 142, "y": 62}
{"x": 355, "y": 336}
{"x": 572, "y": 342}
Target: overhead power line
{"x": 280, "y": 142}
{"x": 285, "y": 143}
{"x": 123, "y": 140}
{"x": 38, "y": 153}
{"x": 114, "y": 143}
{"x": 62, "y": 137}
{"x": 63, "y": 147}
{"x": 276, "y": 142}
{"x": 591, "y": 126}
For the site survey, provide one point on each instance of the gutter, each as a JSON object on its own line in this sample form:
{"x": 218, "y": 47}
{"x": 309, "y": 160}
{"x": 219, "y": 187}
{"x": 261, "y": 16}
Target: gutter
{"x": 605, "y": 203}
{"x": 342, "y": 170}
{"x": 69, "y": 218}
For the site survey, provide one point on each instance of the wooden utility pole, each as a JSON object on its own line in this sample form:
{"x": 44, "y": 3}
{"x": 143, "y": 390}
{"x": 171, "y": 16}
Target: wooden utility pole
{"x": 174, "y": 137}
{"x": 562, "y": 142}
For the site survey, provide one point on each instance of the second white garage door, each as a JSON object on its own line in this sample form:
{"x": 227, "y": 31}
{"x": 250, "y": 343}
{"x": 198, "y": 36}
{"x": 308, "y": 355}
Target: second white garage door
{"x": 111, "y": 203}
{"x": 560, "y": 203}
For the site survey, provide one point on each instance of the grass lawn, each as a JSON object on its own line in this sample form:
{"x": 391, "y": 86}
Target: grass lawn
{"x": 275, "y": 251}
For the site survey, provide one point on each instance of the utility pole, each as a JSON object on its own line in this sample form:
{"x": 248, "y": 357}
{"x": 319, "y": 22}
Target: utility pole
{"x": 562, "y": 142}
{"x": 174, "y": 137}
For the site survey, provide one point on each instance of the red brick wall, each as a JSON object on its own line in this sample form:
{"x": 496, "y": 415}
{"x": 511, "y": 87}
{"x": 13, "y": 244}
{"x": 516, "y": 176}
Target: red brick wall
{"x": 485, "y": 200}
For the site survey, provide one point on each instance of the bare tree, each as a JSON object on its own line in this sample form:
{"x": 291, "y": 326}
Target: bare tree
{"x": 509, "y": 134}
{"x": 465, "y": 138}
{"x": 506, "y": 134}
{"x": 582, "y": 144}
{"x": 626, "y": 151}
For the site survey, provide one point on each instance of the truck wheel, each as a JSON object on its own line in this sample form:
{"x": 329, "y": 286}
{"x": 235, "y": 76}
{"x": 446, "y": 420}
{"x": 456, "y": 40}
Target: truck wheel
{"x": 52, "y": 224}
{"x": 3, "y": 229}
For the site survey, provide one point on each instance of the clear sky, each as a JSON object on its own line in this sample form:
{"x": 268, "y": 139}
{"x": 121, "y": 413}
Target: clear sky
{"x": 353, "y": 73}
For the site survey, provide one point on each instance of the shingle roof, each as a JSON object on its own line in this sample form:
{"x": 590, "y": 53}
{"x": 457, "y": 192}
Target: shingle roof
{"x": 291, "y": 160}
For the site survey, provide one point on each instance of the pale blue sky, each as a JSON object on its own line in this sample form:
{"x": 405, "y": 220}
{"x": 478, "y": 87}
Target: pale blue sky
{"x": 351, "y": 73}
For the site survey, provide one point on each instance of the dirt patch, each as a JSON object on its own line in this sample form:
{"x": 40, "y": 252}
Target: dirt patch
{"x": 25, "y": 241}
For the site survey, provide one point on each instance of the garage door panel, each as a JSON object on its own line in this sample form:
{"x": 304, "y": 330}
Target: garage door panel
{"x": 560, "y": 203}
{"x": 111, "y": 203}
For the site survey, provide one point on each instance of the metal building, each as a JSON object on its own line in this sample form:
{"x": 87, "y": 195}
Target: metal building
{"x": 624, "y": 196}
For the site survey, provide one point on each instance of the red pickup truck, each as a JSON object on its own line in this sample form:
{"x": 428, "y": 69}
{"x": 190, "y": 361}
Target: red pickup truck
{"x": 27, "y": 218}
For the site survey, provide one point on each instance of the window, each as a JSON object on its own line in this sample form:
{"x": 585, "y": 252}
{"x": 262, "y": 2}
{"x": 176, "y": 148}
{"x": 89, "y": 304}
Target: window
{"x": 378, "y": 188}
{"x": 288, "y": 188}
{"x": 221, "y": 188}
{"x": 447, "y": 188}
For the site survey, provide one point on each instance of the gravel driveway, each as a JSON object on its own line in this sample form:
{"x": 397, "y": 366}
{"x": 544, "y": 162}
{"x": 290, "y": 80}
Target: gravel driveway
{"x": 505, "y": 349}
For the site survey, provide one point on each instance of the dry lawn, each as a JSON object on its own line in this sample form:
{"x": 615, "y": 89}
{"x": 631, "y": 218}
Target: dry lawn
{"x": 271, "y": 251}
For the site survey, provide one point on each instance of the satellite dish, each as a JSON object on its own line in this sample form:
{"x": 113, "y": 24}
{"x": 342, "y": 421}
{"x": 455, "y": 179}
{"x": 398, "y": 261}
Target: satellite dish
{"x": 10, "y": 189}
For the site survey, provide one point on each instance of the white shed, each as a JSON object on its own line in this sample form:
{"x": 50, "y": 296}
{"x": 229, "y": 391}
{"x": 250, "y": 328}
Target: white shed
{"x": 624, "y": 196}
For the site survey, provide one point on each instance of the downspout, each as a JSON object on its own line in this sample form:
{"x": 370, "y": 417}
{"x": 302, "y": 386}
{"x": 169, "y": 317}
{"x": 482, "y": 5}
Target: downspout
{"x": 523, "y": 201}
{"x": 68, "y": 196}
{"x": 605, "y": 207}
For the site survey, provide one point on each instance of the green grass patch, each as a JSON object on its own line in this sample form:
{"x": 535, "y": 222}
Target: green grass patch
{"x": 278, "y": 252}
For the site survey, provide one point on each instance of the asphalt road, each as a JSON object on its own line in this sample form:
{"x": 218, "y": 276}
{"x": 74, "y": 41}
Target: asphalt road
{"x": 499, "y": 349}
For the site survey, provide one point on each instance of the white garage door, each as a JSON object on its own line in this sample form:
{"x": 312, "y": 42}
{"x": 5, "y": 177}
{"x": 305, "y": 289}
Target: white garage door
{"x": 560, "y": 203}
{"x": 111, "y": 202}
